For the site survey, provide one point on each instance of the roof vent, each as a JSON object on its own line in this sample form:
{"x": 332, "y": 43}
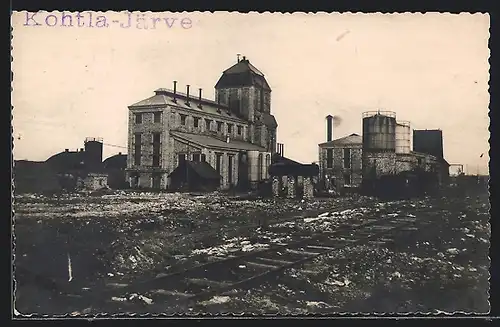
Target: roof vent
{"x": 119, "y": 153}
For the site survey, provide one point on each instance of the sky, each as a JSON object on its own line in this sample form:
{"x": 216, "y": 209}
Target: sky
{"x": 73, "y": 82}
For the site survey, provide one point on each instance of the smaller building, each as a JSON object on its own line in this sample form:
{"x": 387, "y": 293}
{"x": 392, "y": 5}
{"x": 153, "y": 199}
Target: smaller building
{"x": 115, "y": 167}
{"x": 340, "y": 163}
{"x": 195, "y": 176}
{"x": 292, "y": 179}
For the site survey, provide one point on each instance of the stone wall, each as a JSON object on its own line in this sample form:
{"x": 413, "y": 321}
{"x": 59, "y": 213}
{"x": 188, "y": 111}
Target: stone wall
{"x": 376, "y": 164}
{"x": 338, "y": 171}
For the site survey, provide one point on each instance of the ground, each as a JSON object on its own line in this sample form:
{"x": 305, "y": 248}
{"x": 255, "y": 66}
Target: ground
{"x": 91, "y": 243}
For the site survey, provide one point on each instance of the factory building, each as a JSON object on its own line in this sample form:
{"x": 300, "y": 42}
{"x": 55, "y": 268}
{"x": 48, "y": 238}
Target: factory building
{"x": 235, "y": 134}
{"x": 382, "y": 157}
{"x": 340, "y": 165}
{"x": 68, "y": 170}
{"x": 389, "y": 165}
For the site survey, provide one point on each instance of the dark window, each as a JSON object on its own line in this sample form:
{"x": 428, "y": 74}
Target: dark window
{"x": 196, "y": 157}
{"x": 347, "y": 158}
{"x": 157, "y": 117}
{"x": 218, "y": 162}
{"x": 137, "y": 149}
{"x": 239, "y": 130}
{"x": 203, "y": 157}
{"x": 196, "y": 121}
{"x": 156, "y": 149}
{"x": 138, "y": 118}
{"x": 347, "y": 179}
{"x": 329, "y": 158}
{"x": 229, "y": 129}
{"x": 207, "y": 123}
{"x": 156, "y": 160}
{"x": 219, "y": 126}
{"x": 183, "y": 119}
{"x": 181, "y": 157}
{"x": 230, "y": 170}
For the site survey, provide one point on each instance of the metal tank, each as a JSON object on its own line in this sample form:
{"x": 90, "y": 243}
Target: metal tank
{"x": 403, "y": 137}
{"x": 379, "y": 131}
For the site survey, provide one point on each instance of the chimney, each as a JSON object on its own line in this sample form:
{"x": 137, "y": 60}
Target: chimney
{"x": 66, "y": 150}
{"x": 238, "y": 56}
{"x": 119, "y": 153}
{"x": 81, "y": 149}
{"x": 175, "y": 91}
{"x": 329, "y": 128}
{"x": 199, "y": 104}
{"x": 187, "y": 95}
{"x": 244, "y": 58}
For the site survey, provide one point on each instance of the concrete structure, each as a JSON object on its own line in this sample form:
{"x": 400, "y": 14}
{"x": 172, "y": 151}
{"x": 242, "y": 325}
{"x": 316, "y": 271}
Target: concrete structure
{"x": 235, "y": 134}
{"x": 95, "y": 181}
{"x": 292, "y": 179}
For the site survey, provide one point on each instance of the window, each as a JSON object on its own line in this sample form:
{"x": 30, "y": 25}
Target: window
{"x": 229, "y": 129}
{"x": 196, "y": 157}
{"x": 207, "y": 124}
{"x": 230, "y": 170}
{"x": 203, "y": 157}
{"x": 218, "y": 162}
{"x": 157, "y": 117}
{"x": 329, "y": 158}
{"x": 181, "y": 158}
{"x": 347, "y": 179}
{"x": 183, "y": 119}
{"x": 347, "y": 158}
{"x": 239, "y": 130}
{"x": 137, "y": 149}
{"x": 138, "y": 118}
{"x": 196, "y": 122}
{"x": 219, "y": 126}
{"x": 156, "y": 149}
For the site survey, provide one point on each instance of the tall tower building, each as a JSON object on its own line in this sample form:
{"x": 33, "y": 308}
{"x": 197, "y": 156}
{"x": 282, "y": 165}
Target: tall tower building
{"x": 244, "y": 89}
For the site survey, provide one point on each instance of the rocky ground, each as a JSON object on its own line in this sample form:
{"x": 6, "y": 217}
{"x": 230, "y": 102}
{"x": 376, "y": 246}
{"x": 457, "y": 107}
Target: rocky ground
{"x": 98, "y": 241}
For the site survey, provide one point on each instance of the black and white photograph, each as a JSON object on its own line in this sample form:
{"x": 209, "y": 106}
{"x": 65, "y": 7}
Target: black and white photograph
{"x": 186, "y": 163}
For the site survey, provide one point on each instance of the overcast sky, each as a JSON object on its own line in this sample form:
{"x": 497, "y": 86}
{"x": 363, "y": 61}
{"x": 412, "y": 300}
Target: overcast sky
{"x": 431, "y": 69}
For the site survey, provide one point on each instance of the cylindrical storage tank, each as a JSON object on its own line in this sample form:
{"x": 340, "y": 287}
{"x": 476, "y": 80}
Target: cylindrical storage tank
{"x": 253, "y": 166}
{"x": 379, "y": 131}
{"x": 403, "y": 137}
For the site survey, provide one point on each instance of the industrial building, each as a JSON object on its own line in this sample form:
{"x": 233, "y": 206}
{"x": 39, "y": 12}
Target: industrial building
{"x": 70, "y": 170}
{"x": 235, "y": 134}
{"x": 382, "y": 159}
{"x": 340, "y": 160}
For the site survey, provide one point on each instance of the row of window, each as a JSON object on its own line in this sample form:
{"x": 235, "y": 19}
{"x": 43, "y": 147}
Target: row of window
{"x": 208, "y": 125}
{"x": 157, "y": 115}
{"x": 346, "y": 158}
{"x": 156, "y": 137}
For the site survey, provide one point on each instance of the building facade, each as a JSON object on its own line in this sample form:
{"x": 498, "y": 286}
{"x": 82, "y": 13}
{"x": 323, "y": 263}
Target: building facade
{"x": 235, "y": 134}
{"x": 340, "y": 162}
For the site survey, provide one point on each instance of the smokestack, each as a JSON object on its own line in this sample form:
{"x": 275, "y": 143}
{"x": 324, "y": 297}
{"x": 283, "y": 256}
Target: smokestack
{"x": 187, "y": 95}
{"x": 175, "y": 91}
{"x": 329, "y": 128}
{"x": 238, "y": 56}
{"x": 199, "y": 104}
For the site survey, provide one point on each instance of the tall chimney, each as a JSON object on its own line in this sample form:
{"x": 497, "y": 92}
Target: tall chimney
{"x": 187, "y": 95}
{"x": 175, "y": 91}
{"x": 329, "y": 128}
{"x": 199, "y": 104}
